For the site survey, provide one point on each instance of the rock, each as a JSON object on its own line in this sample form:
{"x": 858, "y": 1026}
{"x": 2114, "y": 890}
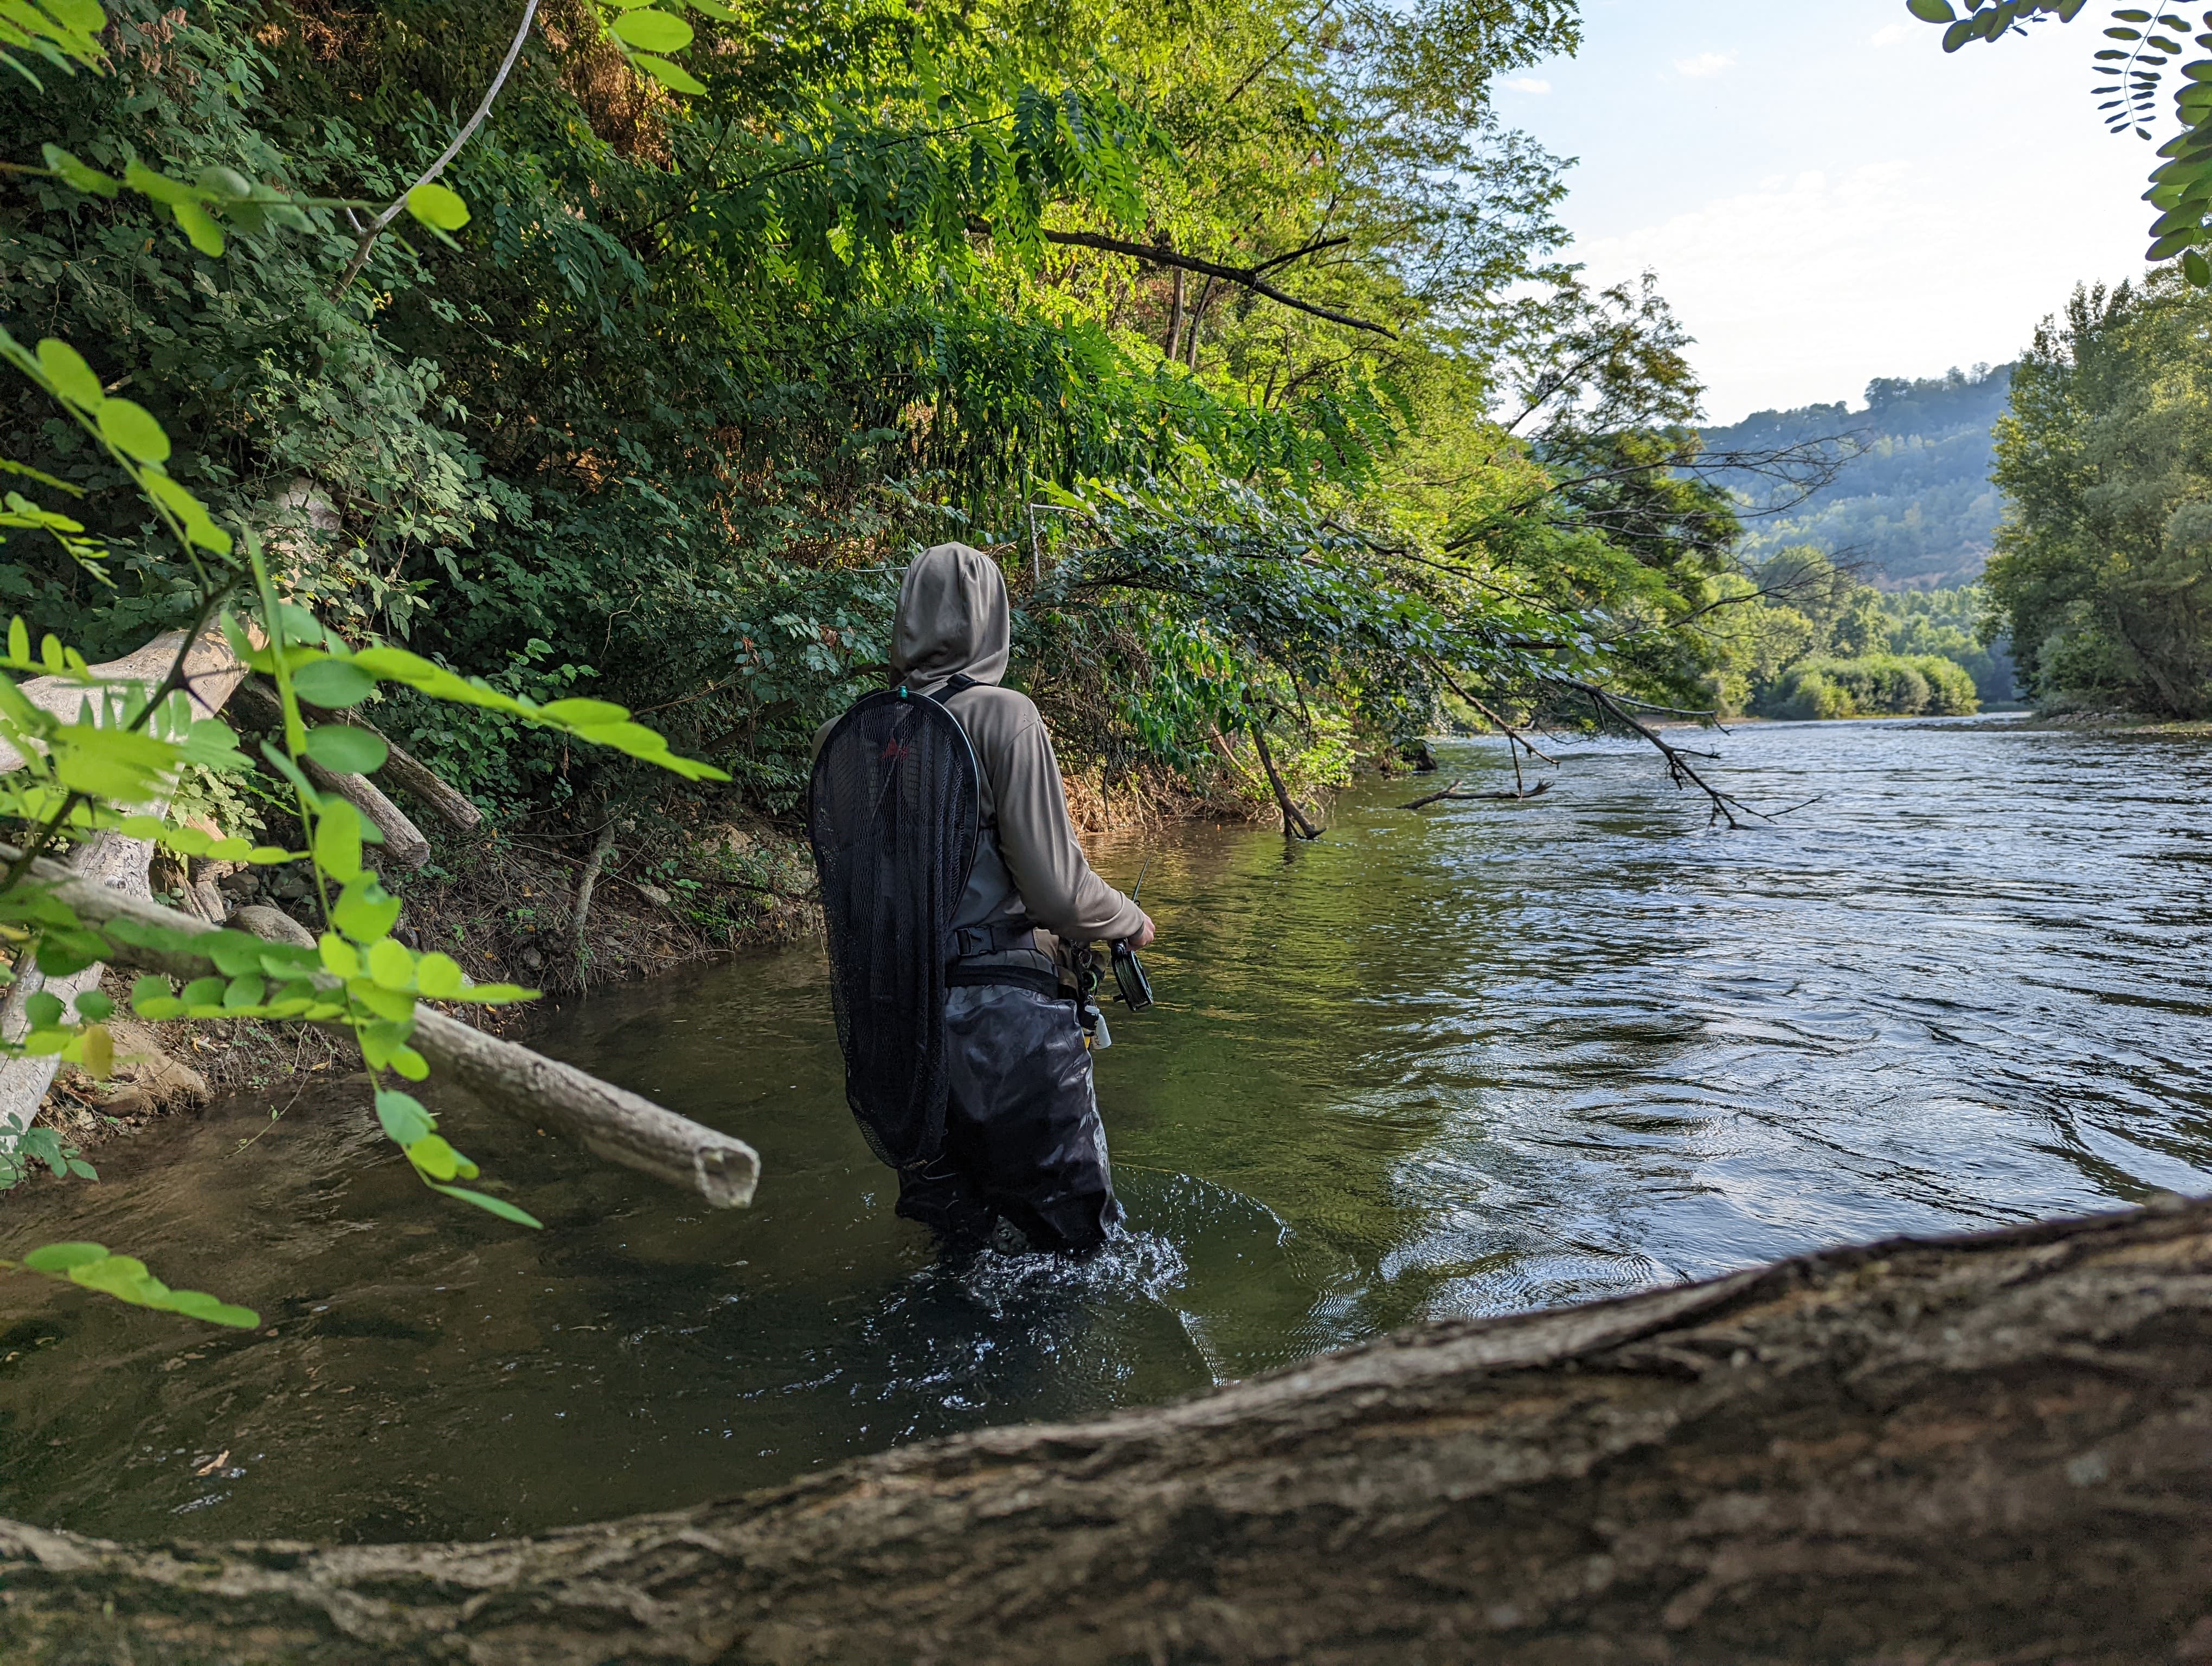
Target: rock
{"x": 655, "y": 894}
{"x": 145, "y": 1070}
{"x": 532, "y": 959}
{"x": 731, "y": 840}
{"x": 271, "y": 925}
{"x": 288, "y": 884}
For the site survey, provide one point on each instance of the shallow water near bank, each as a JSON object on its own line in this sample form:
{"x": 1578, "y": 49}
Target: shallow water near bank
{"x": 1468, "y": 1059}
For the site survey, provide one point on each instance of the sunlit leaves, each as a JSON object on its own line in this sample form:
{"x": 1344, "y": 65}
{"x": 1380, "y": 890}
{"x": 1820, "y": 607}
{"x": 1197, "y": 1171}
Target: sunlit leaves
{"x": 437, "y": 206}
{"x": 125, "y": 1278}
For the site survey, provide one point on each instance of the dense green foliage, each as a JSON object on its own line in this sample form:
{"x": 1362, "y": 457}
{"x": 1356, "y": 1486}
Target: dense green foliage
{"x": 701, "y": 371}
{"x": 1801, "y": 637}
{"x": 1912, "y": 503}
{"x": 2101, "y": 571}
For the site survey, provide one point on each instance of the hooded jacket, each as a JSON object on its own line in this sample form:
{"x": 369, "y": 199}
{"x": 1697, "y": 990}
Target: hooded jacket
{"x": 954, "y": 619}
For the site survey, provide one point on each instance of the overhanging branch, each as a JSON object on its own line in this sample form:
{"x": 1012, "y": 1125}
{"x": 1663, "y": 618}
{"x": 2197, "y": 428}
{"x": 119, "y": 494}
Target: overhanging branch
{"x": 1247, "y": 278}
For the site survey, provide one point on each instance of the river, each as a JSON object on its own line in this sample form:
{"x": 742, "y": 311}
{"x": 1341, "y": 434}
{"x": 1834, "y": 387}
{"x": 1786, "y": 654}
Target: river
{"x": 1468, "y": 1059}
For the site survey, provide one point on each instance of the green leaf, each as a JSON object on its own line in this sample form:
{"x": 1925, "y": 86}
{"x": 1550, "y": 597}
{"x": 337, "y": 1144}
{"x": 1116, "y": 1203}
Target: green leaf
{"x": 435, "y": 205}
{"x": 245, "y": 992}
{"x": 205, "y": 991}
{"x": 410, "y": 1063}
{"x": 95, "y": 1006}
{"x": 651, "y": 31}
{"x": 199, "y": 225}
{"x": 2197, "y": 269}
{"x": 199, "y": 1304}
{"x": 496, "y": 1206}
{"x": 78, "y": 175}
{"x": 131, "y": 429}
{"x": 345, "y": 751}
{"x": 673, "y": 76}
{"x": 391, "y": 965}
{"x": 337, "y": 840}
{"x": 72, "y": 377}
{"x": 1931, "y": 11}
{"x": 404, "y": 1117}
{"x": 434, "y": 1157}
{"x": 576, "y": 713}
{"x": 439, "y": 976}
{"x": 365, "y": 910}
{"x": 61, "y": 1257}
{"x": 339, "y": 958}
{"x": 332, "y": 684}
{"x": 44, "y": 1009}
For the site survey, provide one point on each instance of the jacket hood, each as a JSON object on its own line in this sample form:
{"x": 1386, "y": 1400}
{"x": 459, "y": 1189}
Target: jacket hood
{"x": 953, "y": 617}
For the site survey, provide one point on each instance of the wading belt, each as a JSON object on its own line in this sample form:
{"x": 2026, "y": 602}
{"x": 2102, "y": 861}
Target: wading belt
{"x": 1034, "y": 978}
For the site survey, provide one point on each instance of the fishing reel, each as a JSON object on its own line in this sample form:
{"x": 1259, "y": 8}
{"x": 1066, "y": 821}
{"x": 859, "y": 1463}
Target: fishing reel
{"x": 1129, "y": 977}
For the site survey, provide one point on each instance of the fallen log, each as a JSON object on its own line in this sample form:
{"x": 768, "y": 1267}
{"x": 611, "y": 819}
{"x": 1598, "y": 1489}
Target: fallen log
{"x": 609, "y": 1121}
{"x": 403, "y": 843}
{"x": 1986, "y": 1450}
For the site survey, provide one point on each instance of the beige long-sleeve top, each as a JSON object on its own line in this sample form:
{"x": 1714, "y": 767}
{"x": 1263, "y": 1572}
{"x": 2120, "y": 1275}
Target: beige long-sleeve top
{"x": 954, "y": 619}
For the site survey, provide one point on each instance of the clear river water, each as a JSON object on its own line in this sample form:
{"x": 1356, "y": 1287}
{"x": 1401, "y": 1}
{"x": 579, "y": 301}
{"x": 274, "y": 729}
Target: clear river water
{"x": 1468, "y": 1059}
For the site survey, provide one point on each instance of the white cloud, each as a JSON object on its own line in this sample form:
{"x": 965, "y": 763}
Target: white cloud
{"x": 1704, "y": 64}
{"x": 1526, "y": 84}
{"x": 1803, "y": 287}
{"x": 1894, "y": 34}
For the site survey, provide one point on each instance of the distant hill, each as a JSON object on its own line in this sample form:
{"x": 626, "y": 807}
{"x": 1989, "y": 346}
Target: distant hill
{"x": 1915, "y": 510}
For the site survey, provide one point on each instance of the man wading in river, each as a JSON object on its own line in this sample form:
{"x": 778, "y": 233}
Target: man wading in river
{"x": 955, "y": 893}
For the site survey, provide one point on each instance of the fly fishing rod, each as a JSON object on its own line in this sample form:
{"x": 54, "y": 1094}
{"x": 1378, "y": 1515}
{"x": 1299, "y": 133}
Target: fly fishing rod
{"x": 1129, "y": 971}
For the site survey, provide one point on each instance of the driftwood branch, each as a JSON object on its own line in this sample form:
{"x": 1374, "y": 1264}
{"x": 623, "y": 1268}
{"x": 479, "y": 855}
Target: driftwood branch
{"x": 417, "y": 779}
{"x": 1249, "y": 278}
{"x": 1451, "y": 794}
{"x": 1985, "y": 1450}
{"x": 609, "y": 1121}
{"x": 585, "y": 884}
{"x": 403, "y": 843}
{"x": 1680, "y": 770}
{"x": 1294, "y": 819}
{"x": 375, "y": 228}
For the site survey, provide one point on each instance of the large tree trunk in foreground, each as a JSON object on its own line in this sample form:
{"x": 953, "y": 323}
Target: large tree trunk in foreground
{"x": 1987, "y": 1449}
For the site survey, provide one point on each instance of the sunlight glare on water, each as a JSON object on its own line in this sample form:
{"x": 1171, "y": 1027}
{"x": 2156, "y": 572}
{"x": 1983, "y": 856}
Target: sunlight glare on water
{"x": 1467, "y": 1060}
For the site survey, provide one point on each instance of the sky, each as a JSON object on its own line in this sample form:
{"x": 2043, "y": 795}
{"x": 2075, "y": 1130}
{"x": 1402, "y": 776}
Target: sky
{"x": 1824, "y": 195}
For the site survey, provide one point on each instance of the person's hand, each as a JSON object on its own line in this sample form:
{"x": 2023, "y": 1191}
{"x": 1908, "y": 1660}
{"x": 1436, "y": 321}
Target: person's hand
{"x": 1142, "y": 939}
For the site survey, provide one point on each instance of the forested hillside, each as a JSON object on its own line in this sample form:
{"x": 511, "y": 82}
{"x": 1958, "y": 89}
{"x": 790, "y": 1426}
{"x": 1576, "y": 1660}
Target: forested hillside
{"x": 1201, "y": 321}
{"x": 1913, "y": 506}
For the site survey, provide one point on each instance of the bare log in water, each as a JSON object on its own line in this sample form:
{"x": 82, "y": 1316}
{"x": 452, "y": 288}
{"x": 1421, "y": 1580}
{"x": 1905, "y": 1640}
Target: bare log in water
{"x": 1987, "y": 1450}
{"x": 611, "y": 1121}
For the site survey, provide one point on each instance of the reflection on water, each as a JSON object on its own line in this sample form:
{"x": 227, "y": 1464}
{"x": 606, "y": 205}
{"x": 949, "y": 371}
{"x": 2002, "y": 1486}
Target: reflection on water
{"x": 1479, "y": 1058}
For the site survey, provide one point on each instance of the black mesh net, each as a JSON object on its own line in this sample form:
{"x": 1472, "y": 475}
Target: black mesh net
{"x": 892, "y": 816}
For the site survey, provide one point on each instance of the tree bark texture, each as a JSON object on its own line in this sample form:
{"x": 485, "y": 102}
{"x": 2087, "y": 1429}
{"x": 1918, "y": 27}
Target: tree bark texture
{"x": 1990, "y": 1449}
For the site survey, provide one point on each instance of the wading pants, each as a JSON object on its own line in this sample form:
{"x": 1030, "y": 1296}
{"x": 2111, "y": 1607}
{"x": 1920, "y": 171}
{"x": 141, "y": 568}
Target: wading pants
{"x": 1023, "y": 1142}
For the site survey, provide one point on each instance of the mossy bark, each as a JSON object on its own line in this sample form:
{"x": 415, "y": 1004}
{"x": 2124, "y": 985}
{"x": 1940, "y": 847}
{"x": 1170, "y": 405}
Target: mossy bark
{"x": 1985, "y": 1450}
